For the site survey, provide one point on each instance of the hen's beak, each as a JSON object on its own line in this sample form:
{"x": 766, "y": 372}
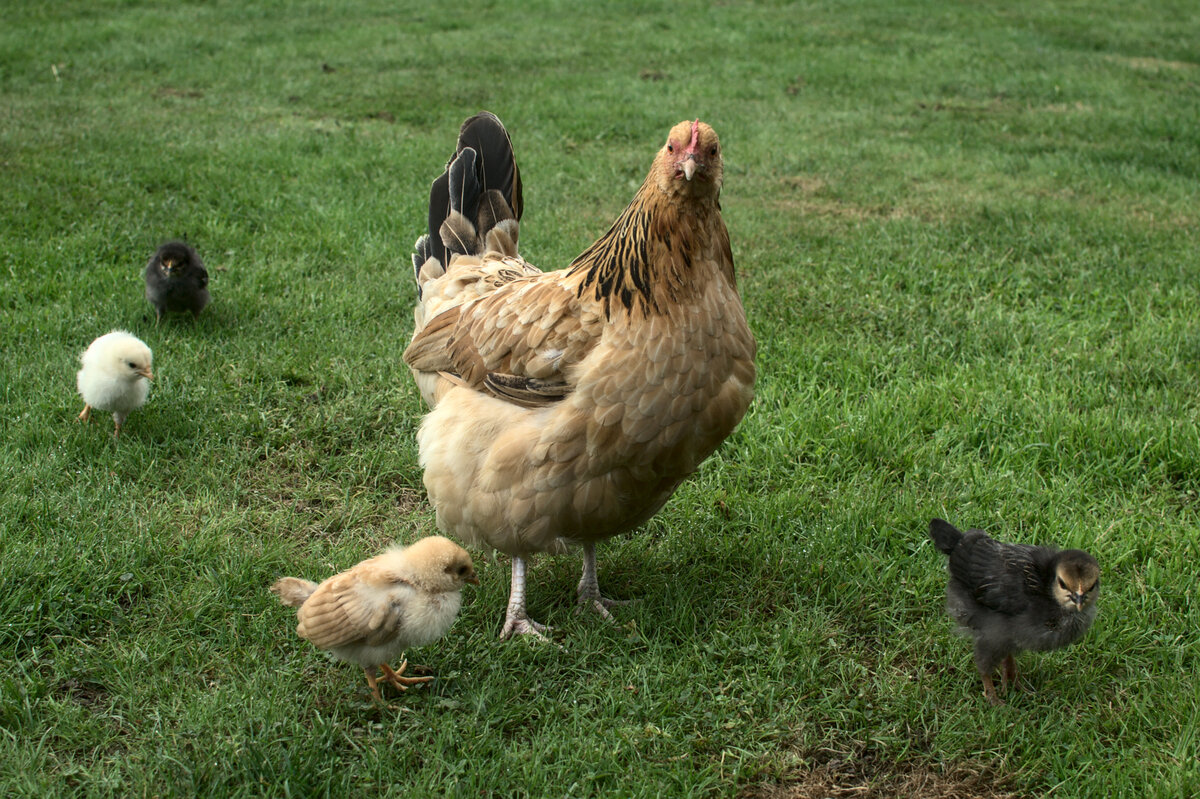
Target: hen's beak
{"x": 689, "y": 166}
{"x": 146, "y": 373}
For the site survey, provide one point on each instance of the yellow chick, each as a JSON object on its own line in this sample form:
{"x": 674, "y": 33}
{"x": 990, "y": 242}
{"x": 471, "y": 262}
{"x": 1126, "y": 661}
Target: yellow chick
{"x": 115, "y": 376}
{"x": 369, "y": 614}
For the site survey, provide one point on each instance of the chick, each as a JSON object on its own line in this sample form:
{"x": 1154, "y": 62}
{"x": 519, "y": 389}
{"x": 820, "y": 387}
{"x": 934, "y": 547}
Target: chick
{"x": 408, "y": 596}
{"x": 115, "y": 376}
{"x": 176, "y": 280}
{"x": 1014, "y": 597}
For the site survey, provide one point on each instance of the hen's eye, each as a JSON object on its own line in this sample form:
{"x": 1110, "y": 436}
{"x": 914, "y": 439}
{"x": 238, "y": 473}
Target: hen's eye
{"x": 713, "y": 151}
{"x": 670, "y": 147}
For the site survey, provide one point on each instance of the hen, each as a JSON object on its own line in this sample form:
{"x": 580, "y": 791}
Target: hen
{"x": 1014, "y": 597}
{"x": 408, "y": 596}
{"x": 176, "y": 280}
{"x": 567, "y": 406}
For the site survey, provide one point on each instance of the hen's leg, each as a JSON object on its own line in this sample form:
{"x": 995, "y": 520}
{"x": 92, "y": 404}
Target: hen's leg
{"x": 395, "y": 678}
{"x": 589, "y": 587}
{"x": 516, "y": 620}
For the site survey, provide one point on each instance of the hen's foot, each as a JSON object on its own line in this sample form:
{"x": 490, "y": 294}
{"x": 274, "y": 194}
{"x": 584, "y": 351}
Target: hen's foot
{"x": 521, "y": 624}
{"x": 593, "y": 600}
{"x": 588, "y": 590}
{"x": 516, "y": 620}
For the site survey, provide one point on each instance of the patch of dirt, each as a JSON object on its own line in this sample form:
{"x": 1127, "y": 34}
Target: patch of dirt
{"x": 408, "y": 500}
{"x": 1152, "y": 64}
{"x": 84, "y": 693}
{"x": 174, "y": 91}
{"x": 867, "y": 777}
{"x": 1065, "y": 108}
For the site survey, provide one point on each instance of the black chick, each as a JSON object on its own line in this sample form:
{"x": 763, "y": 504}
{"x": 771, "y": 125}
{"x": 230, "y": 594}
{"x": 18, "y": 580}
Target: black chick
{"x": 1014, "y": 597}
{"x": 176, "y": 280}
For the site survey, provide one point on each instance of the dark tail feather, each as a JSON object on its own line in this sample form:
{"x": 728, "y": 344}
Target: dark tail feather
{"x": 495, "y": 170}
{"x": 945, "y": 535}
{"x": 485, "y": 134}
{"x": 458, "y": 232}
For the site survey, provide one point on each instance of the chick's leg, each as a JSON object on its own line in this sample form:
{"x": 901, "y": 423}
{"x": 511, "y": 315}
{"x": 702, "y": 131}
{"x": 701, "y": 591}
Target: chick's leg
{"x": 395, "y": 678}
{"x": 589, "y": 587}
{"x": 516, "y": 620}
{"x": 987, "y": 659}
{"x": 86, "y": 413}
{"x": 371, "y": 681}
{"x": 1008, "y": 673}
{"x": 989, "y": 691}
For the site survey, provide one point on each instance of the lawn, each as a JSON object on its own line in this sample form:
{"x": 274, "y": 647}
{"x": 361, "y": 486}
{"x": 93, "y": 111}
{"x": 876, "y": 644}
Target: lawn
{"x": 968, "y": 242}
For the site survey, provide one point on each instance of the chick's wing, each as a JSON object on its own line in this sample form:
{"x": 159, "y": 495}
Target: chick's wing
{"x": 345, "y": 610}
{"x": 998, "y": 574}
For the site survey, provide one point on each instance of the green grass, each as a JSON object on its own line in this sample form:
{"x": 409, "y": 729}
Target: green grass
{"x": 967, "y": 241}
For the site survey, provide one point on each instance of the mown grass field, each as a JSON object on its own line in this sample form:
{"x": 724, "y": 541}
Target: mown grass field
{"x": 967, "y": 240}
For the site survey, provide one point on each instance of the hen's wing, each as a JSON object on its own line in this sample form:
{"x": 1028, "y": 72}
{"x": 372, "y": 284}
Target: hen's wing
{"x": 517, "y": 343}
{"x": 344, "y": 610}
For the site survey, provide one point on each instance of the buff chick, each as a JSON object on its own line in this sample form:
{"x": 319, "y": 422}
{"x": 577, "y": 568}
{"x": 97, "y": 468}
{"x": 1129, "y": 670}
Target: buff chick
{"x": 369, "y": 614}
{"x": 115, "y": 376}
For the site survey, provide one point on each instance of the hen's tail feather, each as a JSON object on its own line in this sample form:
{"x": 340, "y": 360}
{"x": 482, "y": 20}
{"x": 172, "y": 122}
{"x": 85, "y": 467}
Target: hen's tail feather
{"x": 494, "y": 210}
{"x": 495, "y": 169}
{"x": 424, "y": 252}
{"x": 458, "y": 231}
{"x": 945, "y": 535}
{"x": 292, "y": 591}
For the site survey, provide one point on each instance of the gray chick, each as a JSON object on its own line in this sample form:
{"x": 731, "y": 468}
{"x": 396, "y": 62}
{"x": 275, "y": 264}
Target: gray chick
{"x": 176, "y": 280}
{"x": 1015, "y": 597}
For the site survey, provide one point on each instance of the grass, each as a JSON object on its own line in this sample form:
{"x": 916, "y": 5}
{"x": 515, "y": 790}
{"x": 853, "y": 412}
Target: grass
{"x": 967, "y": 240}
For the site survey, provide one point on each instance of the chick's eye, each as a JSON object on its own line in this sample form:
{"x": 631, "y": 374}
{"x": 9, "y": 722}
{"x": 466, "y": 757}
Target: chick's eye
{"x": 131, "y": 364}
{"x": 462, "y": 570}
{"x": 1061, "y": 584}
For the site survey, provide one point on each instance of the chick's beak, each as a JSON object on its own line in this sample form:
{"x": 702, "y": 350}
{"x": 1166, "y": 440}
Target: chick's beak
{"x": 146, "y": 373}
{"x": 473, "y": 579}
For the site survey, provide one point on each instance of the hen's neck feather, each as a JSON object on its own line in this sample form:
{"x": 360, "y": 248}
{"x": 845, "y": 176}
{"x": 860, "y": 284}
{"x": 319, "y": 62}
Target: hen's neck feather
{"x": 651, "y": 257}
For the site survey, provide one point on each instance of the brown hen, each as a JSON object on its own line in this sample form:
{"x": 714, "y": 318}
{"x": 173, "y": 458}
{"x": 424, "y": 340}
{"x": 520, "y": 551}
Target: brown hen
{"x": 568, "y": 406}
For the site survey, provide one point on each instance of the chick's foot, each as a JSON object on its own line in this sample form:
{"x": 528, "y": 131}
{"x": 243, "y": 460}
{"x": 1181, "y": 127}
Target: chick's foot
{"x": 395, "y": 676}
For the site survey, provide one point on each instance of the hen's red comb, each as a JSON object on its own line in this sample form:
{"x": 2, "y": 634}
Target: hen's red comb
{"x": 695, "y": 142}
